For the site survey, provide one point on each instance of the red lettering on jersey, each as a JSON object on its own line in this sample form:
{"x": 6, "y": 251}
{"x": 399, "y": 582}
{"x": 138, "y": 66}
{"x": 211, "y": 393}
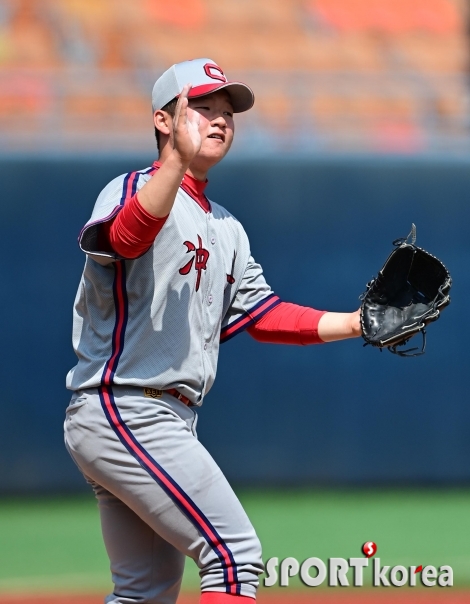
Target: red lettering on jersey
{"x": 209, "y": 68}
{"x": 230, "y": 277}
{"x": 201, "y": 256}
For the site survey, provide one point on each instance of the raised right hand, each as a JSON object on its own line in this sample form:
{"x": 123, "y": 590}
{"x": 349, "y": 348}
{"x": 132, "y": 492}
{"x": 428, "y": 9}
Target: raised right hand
{"x": 186, "y": 137}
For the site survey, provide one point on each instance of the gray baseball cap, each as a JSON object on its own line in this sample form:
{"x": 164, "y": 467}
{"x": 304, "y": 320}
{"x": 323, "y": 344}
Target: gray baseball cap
{"x": 205, "y": 77}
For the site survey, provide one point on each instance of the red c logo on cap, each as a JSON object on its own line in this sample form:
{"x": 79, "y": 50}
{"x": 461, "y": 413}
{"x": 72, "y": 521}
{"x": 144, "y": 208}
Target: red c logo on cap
{"x": 209, "y": 68}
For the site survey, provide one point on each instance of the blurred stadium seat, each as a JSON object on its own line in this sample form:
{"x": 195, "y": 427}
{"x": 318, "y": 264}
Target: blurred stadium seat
{"x": 77, "y": 74}
{"x": 391, "y": 17}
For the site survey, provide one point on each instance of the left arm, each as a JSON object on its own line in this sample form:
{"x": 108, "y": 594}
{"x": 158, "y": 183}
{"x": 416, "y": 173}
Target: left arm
{"x": 335, "y": 326}
{"x": 258, "y": 310}
{"x": 293, "y": 324}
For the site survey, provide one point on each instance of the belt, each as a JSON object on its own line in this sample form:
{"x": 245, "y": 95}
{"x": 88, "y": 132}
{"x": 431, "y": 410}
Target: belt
{"x": 154, "y": 393}
{"x": 179, "y": 396}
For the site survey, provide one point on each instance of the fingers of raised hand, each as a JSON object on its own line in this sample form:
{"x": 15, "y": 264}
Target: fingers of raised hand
{"x": 187, "y": 140}
{"x": 192, "y": 125}
{"x": 193, "y": 121}
{"x": 182, "y": 105}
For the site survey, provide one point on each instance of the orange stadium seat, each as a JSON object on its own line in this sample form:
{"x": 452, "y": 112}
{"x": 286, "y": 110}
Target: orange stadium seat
{"x": 275, "y": 110}
{"x": 390, "y": 16}
{"x": 426, "y": 53}
{"x": 133, "y": 113}
{"x": 396, "y": 107}
{"x": 25, "y": 93}
{"x": 451, "y": 103}
{"x": 364, "y": 108}
{"x": 186, "y": 14}
{"x": 31, "y": 39}
{"x": 262, "y": 14}
{"x": 324, "y": 53}
{"x": 113, "y": 51}
{"x": 87, "y": 106}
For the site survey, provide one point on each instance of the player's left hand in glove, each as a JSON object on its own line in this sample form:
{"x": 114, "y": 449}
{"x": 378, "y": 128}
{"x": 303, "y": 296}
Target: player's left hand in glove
{"x": 409, "y": 292}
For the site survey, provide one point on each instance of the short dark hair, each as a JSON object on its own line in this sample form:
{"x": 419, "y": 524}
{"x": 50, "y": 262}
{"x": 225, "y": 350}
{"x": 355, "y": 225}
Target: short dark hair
{"x": 170, "y": 108}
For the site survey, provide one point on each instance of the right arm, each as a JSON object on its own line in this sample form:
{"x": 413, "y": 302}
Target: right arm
{"x": 132, "y": 232}
{"x": 157, "y": 196}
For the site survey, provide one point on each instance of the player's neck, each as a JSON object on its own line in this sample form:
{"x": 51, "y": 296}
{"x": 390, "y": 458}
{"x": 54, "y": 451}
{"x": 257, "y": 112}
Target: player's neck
{"x": 196, "y": 177}
{"x": 193, "y": 187}
{"x": 193, "y": 171}
{"x": 197, "y": 174}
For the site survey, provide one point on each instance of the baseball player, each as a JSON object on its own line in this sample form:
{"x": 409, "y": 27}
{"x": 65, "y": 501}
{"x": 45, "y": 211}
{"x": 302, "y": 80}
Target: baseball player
{"x": 168, "y": 276}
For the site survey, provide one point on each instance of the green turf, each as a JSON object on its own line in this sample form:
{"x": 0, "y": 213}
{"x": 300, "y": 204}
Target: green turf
{"x": 409, "y": 527}
{"x": 56, "y": 544}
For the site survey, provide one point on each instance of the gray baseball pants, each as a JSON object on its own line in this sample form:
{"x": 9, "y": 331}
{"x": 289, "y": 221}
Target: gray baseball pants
{"x": 161, "y": 497}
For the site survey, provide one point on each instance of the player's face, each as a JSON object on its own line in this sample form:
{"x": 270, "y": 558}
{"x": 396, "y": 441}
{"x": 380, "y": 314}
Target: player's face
{"x": 216, "y": 127}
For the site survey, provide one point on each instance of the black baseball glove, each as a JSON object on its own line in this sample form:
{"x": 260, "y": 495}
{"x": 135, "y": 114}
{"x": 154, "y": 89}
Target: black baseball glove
{"x": 408, "y": 293}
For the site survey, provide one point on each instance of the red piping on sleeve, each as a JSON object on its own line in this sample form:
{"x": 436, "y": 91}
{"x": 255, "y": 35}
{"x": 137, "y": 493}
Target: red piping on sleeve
{"x": 132, "y": 232}
{"x": 288, "y": 323}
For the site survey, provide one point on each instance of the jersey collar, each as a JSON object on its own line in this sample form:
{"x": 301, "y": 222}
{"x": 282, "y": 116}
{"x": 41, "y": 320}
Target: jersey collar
{"x": 194, "y": 188}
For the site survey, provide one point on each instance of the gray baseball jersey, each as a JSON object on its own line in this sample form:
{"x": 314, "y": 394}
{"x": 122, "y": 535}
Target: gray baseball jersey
{"x": 157, "y": 321}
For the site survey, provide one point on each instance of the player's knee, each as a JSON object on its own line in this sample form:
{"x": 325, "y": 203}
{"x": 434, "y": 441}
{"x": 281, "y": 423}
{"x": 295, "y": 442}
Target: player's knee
{"x": 235, "y": 569}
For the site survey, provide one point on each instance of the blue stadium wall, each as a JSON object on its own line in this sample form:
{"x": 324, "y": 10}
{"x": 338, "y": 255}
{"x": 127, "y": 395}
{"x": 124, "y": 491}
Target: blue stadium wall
{"x": 336, "y": 414}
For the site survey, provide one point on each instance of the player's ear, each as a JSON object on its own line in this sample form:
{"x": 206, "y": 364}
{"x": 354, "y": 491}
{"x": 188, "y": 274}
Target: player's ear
{"x": 162, "y": 121}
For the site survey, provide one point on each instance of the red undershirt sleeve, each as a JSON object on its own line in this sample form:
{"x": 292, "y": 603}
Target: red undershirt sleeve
{"x": 132, "y": 232}
{"x": 288, "y": 323}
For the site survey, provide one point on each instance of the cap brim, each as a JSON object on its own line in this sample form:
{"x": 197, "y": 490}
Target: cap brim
{"x": 241, "y": 95}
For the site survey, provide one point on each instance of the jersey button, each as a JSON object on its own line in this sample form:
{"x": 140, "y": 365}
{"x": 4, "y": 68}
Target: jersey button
{"x": 205, "y": 346}
{"x": 210, "y": 299}
{"x": 213, "y": 240}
